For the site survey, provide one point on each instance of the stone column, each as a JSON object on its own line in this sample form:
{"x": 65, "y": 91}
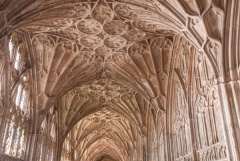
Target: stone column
{"x": 230, "y": 97}
{"x": 32, "y": 146}
{"x": 59, "y": 148}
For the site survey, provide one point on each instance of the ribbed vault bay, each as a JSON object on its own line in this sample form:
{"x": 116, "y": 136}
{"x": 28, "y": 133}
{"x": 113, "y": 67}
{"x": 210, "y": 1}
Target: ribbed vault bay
{"x": 114, "y": 124}
{"x": 108, "y": 73}
{"x": 116, "y": 70}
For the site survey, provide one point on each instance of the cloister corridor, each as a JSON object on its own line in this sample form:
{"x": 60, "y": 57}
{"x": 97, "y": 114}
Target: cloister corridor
{"x": 119, "y": 80}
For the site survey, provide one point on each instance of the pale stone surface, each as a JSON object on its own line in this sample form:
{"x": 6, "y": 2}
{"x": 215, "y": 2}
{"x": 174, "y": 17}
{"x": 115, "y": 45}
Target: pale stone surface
{"x": 119, "y": 80}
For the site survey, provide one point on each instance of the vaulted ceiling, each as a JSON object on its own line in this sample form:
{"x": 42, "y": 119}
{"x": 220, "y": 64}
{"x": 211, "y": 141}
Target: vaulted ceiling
{"x": 105, "y": 63}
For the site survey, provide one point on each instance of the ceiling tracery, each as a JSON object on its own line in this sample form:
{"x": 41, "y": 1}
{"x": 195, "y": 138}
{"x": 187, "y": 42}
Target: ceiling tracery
{"x": 105, "y": 110}
{"x": 130, "y": 106}
{"x": 109, "y": 44}
{"x": 103, "y": 129}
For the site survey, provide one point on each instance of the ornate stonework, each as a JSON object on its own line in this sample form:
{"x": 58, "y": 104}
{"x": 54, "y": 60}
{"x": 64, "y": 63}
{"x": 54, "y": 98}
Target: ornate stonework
{"x": 119, "y": 80}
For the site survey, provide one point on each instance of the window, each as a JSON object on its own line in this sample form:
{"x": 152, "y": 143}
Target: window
{"x": 19, "y": 91}
{"x": 23, "y": 102}
{"x": 21, "y": 99}
{"x": 9, "y": 139}
{"x": 52, "y": 134}
{"x": 47, "y": 141}
{"x": 13, "y": 142}
{"x": 10, "y": 46}
{"x": 21, "y": 145}
{"x": 5, "y": 135}
{"x": 17, "y": 61}
{"x": 14, "y": 139}
{"x": 42, "y": 139}
{"x": 17, "y": 55}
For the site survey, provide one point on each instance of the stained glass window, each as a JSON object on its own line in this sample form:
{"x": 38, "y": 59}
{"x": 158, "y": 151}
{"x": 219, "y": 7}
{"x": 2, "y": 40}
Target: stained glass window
{"x": 52, "y": 134}
{"x": 21, "y": 148}
{"x": 9, "y": 139}
{"x": 17, "y": 101}
{"x": 17, "y": 61}
{"x": 5, "y": 134}
{"x": 23, "y": 103}
{"x": 15, "y": 143}
{"x": 10, "y": 46}
{"x": 44, "y": 124}
{"x": 40, "y": 152}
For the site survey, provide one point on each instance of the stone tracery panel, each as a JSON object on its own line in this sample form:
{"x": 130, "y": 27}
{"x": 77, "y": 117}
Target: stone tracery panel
{"x": 196, "y": 80}
{"x": 207, "y": 110}
{"x": 15, "y": 99}
{"x": 181, "y": 126}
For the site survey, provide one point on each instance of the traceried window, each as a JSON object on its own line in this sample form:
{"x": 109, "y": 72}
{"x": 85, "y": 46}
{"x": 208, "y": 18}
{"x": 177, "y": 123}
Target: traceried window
{"x": 42, "y": 139}
{"x": 53, "y": 133}
{"x": 24, "y": 99}
{"x": 10, "y": 46}
{"x": 15, "y": 142}
{"x": 21, "y": 145}
{"x": 4, "y": 137}
{"x": 17, "y": 61}
{"x": 16, "y": 123}
{"x": 47, "y": 140}
{"x": 18, "y": 57}
{"x": 9, "y": 138}
{"x": 19, "y": 91}
{"x": 14, "y": 137}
